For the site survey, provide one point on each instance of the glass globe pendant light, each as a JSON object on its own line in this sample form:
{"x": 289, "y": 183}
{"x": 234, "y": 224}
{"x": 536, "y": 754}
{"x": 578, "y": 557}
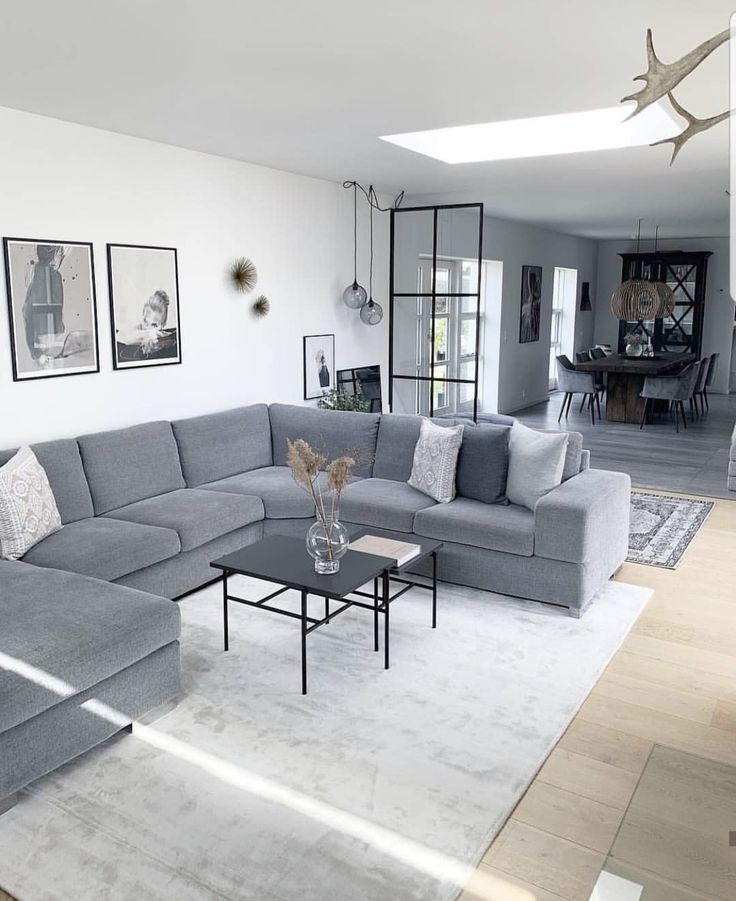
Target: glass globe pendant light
{"x": 354, "y": 295}
{"x": 371, "y": 313}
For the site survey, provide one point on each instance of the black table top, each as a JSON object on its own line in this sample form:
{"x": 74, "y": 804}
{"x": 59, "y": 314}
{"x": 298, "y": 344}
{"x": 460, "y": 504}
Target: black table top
{"x": 285, "y": 561}
{"x": 657, "y": 365}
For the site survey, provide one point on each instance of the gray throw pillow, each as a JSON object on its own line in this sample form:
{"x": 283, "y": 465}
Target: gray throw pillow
{"x": 536, "y": 461}
{"x": 435, "y": 460}
{"x": 483, "y": 463}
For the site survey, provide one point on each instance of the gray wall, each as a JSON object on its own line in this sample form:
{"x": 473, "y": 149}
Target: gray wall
{"x": 523, "y": 368}
{"x": 719, "y": 308}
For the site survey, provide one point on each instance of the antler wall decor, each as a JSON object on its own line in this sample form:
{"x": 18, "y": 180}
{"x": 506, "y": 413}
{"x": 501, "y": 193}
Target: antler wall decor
{"x": 660, "y": 79}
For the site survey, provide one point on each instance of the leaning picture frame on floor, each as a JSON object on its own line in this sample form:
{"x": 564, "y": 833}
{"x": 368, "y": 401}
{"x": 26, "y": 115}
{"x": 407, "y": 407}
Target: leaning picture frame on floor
{"x": 52, "y": 308}
{"x": 531, "y": 304}
{"x": 144, "y": 305}
{"x": 319, "y": 365}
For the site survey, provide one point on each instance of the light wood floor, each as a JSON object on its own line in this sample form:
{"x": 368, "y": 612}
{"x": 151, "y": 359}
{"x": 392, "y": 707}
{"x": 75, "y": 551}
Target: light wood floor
{"x": 643, "y": 783}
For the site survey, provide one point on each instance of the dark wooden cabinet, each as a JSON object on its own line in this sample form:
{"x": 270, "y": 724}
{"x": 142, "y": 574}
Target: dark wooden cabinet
{"x": 685, "y": 272}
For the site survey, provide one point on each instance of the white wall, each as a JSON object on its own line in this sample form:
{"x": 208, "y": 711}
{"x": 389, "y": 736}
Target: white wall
{"x": 523, "y": 368}
{"x": 719, "y": 308}
{"x": 60, "y": 181}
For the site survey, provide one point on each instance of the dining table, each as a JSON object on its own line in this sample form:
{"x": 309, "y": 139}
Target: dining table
{"x": 625, "y": 379}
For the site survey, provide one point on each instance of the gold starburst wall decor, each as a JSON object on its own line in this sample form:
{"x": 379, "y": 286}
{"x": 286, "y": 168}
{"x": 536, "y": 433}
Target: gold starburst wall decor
{"x": 244, "y": 275}
{"x": 262, "y": 306}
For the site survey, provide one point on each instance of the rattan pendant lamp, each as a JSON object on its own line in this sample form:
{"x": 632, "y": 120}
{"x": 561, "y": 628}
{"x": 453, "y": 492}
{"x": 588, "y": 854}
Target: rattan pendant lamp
{"x": 636, "y": 298}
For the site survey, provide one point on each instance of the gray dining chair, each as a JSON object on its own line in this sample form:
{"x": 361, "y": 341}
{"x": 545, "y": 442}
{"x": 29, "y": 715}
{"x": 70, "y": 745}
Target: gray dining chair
{"x": 699, "y": 388}
{"x": 572, "y": 382}
{"x": 712, "y": 369}
{"x": 675, "y": 389}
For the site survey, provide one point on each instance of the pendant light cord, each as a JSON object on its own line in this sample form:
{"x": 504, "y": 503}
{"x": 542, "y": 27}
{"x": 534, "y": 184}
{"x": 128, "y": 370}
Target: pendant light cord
{"x": 355, "y": 233}
{"x": 372, "y": 198}
{"x": 370, "y": 269}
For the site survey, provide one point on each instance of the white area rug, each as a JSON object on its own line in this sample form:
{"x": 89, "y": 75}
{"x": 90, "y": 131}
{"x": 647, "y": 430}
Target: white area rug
{"x": 377, "y": 785}
{"x": 662, "y": 527}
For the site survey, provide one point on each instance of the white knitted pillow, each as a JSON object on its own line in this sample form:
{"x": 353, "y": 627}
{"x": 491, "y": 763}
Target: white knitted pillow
{"x": 28, "y": 511}
{"x": 435, "y": 460}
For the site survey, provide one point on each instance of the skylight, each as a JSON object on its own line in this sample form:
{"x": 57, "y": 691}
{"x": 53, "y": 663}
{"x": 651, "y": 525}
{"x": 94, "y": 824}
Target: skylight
{"x": 601, "y": 129}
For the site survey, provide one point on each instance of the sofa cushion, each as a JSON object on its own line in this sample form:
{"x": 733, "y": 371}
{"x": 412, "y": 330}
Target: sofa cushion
{"x": 73, "y": 628}
{"x": 63, "y": 467}
{"x": 197, "y": 516}
{"x": 383, "y": 503}
{"x": 536, "y": 463}
{"x": 104, "y": 548}
{"x": 28, "y": 511}
{"x": 435, "y": 460}
{"x": 483, "y": 463}
{"x": 275, "y": 486}
{"x": 335, "y": 432}
{"x": 497, "y": 527}
{"x": 129, "y": 465}
{"x": 398, "y": 434}
{"x": 223, "y": 444}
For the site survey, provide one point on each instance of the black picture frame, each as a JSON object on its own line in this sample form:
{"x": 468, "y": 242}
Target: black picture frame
{"x": 314, "y": 383}
{"x": 29, "y": 375}
{"x": 137, "y": 358}
{"x": 530, "y": 306}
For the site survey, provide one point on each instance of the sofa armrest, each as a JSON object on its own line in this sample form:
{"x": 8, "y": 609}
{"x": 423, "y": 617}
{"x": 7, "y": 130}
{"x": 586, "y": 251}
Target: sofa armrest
{"x": 585, "y": 519}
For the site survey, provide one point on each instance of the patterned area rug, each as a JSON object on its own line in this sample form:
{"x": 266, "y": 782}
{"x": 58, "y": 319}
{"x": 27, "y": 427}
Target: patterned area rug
{"x": 662, "y": 528}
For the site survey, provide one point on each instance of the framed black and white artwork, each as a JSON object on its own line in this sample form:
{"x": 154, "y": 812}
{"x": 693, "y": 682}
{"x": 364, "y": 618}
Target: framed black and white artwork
{"x": 144, "y": 305}
{"x": 319, "y": 365}
{"x": 52, "y": 307}
{"x": 531, "y": 303}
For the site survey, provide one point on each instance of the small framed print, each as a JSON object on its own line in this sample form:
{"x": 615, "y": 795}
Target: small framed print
{"x": 319, "y": 365}
{"x": 144, "y": 305}
{"x": 52, "y": 308}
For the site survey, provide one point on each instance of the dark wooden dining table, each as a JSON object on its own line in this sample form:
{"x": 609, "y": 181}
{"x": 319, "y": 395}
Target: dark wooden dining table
{"x": 626, "y": 379}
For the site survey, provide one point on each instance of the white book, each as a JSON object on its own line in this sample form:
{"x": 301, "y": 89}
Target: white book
{"x": 401, "y": 551}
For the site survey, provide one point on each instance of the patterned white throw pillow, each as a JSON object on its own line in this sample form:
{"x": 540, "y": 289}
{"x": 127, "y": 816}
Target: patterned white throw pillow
{"x": 435, "y": 460}
{"x": 28, "y": 511}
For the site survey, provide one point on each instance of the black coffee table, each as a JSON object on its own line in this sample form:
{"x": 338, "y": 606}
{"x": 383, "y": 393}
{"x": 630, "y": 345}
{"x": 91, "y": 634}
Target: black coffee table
{"x": 284, "y": 561}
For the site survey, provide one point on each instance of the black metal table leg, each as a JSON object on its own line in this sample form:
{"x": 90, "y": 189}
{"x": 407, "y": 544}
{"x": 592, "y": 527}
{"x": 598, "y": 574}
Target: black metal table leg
{"x": 224, "y": 610}
{"x": 434, "y": 589}
{"x": 375, "y": 614}
{"x": 386, "y": 607}
{"x": 327, "y": 609}
{"x": 304, "y": 642}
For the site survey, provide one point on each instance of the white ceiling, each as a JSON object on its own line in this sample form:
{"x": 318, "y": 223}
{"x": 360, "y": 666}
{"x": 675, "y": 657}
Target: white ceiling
{"x": 309, "y": 87}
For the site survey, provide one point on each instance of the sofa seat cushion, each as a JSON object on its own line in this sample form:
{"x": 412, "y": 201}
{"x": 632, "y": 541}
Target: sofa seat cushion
{"x": 104, "y": 548}
{"x": 497, "y": 527}
{"x": 384, "y": 504}
{"x": 197, "y": 516}
{"x": 275, "y": 486}
{"x": 73, "y": 628}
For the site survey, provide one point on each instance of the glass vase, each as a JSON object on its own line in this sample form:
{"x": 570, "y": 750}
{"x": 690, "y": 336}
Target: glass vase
{"x": 327, "y": 543}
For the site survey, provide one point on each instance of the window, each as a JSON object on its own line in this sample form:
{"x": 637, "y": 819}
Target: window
{"x": 562, "y": 332}
{"x": 453, "y": 329}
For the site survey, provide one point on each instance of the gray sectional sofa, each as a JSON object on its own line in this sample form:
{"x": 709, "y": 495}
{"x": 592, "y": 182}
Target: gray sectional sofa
{"x": 147, "y": 508}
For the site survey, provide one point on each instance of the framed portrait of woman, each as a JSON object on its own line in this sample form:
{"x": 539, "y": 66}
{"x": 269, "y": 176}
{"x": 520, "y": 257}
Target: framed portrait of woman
{"x": 52, "y": 308}
{"x": 319, "y": 365}
{"x": 144, "y": 305}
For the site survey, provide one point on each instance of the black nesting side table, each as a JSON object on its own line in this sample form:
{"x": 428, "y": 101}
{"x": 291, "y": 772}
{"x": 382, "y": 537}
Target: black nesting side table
{"x": 284, "y": 561}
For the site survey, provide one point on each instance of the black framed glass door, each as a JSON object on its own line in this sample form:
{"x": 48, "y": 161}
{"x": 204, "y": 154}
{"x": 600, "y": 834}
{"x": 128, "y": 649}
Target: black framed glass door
{"x": 434, "y": 296}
